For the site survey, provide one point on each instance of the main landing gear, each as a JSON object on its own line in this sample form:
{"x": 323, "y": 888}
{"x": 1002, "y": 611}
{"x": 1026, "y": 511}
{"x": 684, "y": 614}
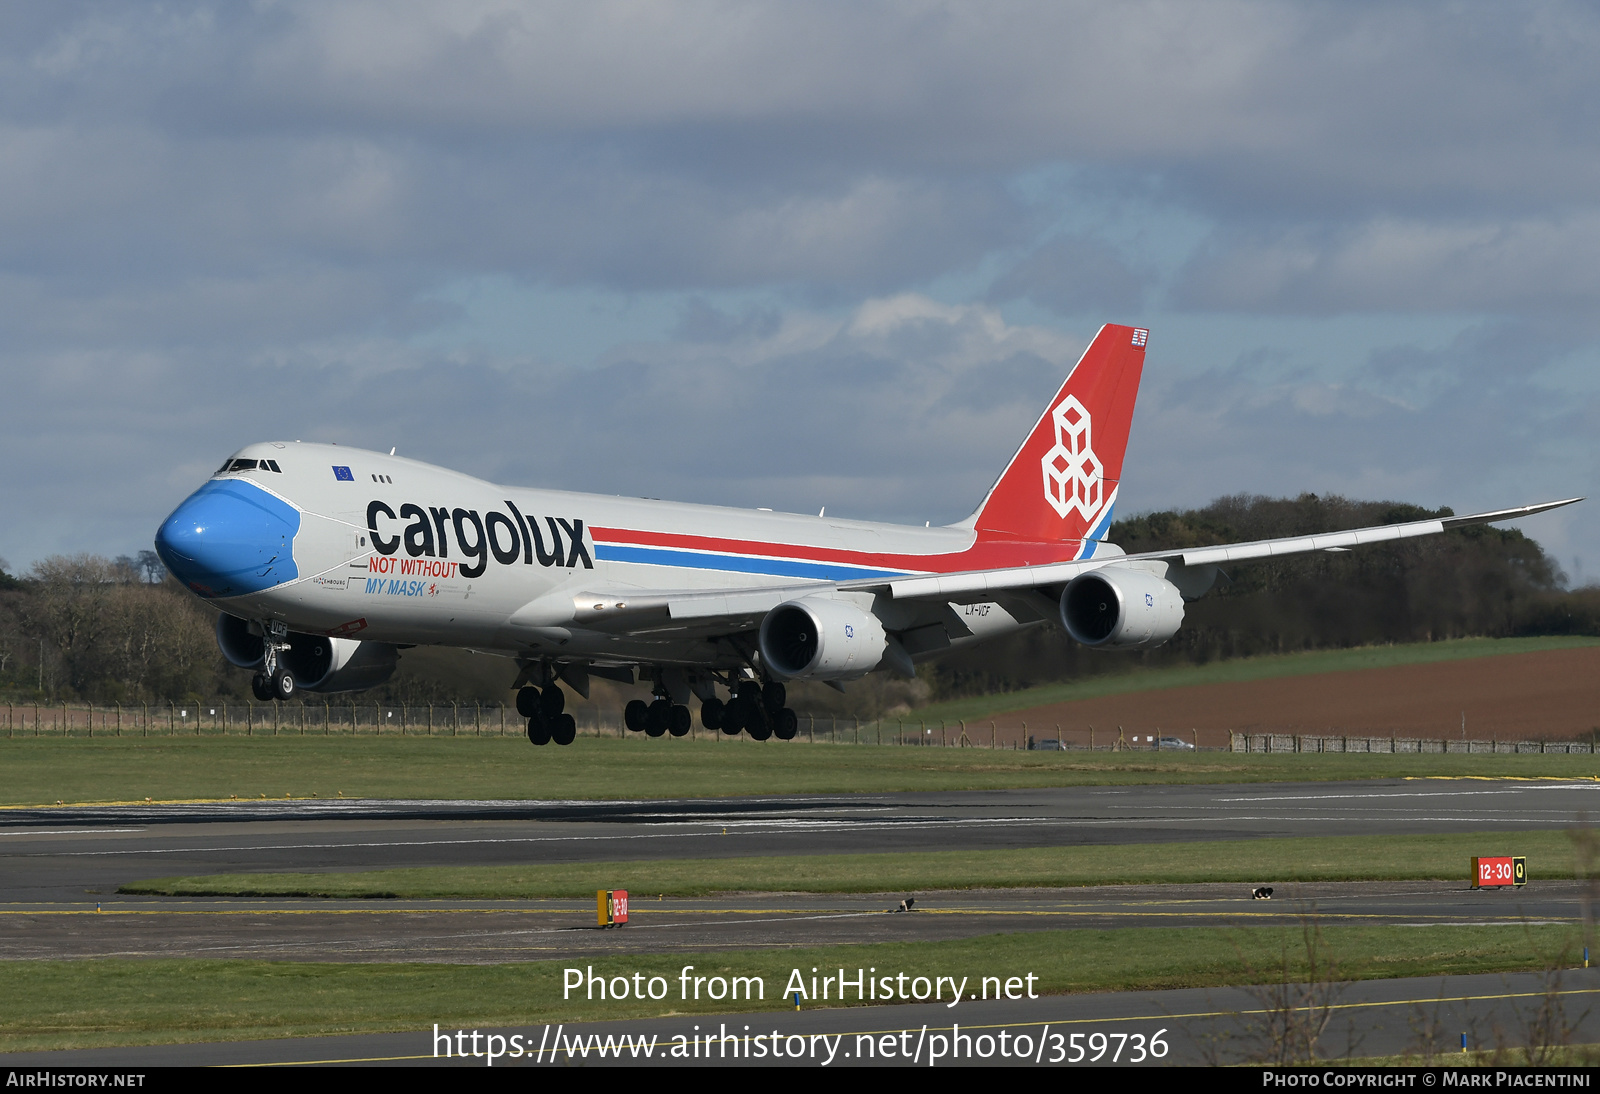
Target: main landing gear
{"x": 754, "y": 708}
{"x": 657, "y": 718}
{"x": 546, "y": 715}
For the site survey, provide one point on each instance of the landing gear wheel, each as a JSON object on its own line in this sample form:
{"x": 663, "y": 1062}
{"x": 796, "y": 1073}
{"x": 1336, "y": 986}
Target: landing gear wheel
{"x": 261, "y": 687}
{"x": 785, "y": 725}
{"x": 734, "y": 717}
{"x": 528, "y": 701}
{"x": 679, "y": 721}
{"x": 655, "y": 721}
{"x": 634, "y": 714}
{"x": 538, "y": 730}
{"x": 565, "y": 731}
{"x": 711, "y": 712}
{"x": 552, "y": 701}
{"x": 773, "y": 697}
{"x": 284, "y": 685}
{"x": 760, "y": 726}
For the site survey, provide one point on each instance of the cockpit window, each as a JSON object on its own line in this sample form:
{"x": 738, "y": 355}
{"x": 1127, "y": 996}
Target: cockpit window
{"x": 232, "y": 466}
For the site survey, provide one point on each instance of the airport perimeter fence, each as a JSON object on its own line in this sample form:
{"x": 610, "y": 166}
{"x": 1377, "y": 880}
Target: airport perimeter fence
{"x": 1293, "y": 742}
{"x": 236, "y": 717}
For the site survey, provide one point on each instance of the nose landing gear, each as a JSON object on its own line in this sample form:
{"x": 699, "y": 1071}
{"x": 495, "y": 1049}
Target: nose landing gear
{"x": 275, "y": 680}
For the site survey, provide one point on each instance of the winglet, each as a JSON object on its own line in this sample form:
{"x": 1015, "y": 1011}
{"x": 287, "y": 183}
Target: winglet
{"x": 1062, "y": 483}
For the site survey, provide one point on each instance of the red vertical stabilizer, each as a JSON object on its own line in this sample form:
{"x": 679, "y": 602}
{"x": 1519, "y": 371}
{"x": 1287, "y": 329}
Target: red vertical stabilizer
{"x": 1062, "y": 483}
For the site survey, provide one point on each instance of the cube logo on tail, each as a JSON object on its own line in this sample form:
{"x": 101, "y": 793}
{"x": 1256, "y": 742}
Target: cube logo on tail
{"x": 1073, "y": 477}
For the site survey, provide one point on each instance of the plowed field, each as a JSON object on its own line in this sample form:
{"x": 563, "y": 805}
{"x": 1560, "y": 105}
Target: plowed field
{"x": 1553, "y": 695}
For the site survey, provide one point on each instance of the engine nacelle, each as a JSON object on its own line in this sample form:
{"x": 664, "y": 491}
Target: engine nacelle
{"x": 319, "y": 663}
{"x": 238, "y": 643}
{"x": 820, "y": 639}
{"x": 1121, "y": 608}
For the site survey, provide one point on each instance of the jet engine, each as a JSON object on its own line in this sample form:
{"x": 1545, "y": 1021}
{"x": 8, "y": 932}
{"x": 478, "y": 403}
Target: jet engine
{"x": 821, "y": 639}
{"x": 1121, "y": 608}
{"x": 239, "y": 644}
{"x": 319, "y": 663}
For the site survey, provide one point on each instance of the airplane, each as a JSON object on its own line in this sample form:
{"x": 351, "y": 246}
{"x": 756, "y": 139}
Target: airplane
{"x": 324, "y": 562}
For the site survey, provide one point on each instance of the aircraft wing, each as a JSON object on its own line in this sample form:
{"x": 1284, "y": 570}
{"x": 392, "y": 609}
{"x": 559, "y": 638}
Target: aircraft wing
{"x": 974, "y": 585}
{"x": 712, "y": 611}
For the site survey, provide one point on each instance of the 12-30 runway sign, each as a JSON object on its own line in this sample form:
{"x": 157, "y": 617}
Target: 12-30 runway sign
{"x": 1490, "y": 873}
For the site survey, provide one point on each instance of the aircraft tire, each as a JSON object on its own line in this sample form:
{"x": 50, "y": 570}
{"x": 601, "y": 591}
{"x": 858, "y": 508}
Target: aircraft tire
{"x": 760, "y": 728}
{"x": 538, "y": 731}
{"x": 785, "y": 725}
{"x": 565, "y": 731}
{"x": 655, "y": 722}
{"x": 679, "y": 721}
{"x": 284, "y": 685}
{"x": 528, "y": 701}
{"x": 633, "y": 715}
{"x": 733, "y": 717}
{"x": 552, "y": 701}
{"x": 261, "y": 687}
{"x": 711, "y": 712}
{"x": 773, "y": 697}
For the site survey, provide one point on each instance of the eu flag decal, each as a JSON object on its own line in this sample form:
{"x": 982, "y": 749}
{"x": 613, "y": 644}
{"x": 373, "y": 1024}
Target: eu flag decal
{"x": 343, "y": 474}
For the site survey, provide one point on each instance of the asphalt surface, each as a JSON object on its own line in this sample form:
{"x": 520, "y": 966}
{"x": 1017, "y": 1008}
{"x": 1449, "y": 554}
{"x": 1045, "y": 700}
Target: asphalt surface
{"x": 535, "y": 930}
{"x": 71, "y": 853}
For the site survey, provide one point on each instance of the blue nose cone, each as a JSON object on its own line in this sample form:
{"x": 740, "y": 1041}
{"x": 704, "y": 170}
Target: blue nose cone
{"x": 229, "y": 538}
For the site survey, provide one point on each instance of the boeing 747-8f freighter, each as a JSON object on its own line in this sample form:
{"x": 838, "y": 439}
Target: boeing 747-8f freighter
{"x": 325, "y": 561}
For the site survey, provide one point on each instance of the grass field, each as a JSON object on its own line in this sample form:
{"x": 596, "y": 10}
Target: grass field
{"x": 57, "y": 1004}
{"x": 78, "y": 770}
{"x": 1245, "y": 669}
{"x": 1256, "y": 862}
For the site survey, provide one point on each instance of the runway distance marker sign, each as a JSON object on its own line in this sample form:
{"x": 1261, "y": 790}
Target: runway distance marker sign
{"x": 1498, "y": 872}
{"x": 611, "y": 907}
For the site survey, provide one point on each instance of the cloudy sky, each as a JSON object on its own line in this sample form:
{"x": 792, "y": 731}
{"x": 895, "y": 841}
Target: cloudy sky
{"x": 795, "y": 255}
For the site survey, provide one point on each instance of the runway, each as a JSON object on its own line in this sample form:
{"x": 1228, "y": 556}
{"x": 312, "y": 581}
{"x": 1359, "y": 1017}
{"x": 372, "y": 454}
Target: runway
{"x": 72, "y": 853}
{"x": 60, "y": 868}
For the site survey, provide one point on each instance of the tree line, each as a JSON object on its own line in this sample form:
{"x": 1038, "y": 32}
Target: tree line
{"x": 85, "y": 627}
{"x": 1482, "y": 581}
